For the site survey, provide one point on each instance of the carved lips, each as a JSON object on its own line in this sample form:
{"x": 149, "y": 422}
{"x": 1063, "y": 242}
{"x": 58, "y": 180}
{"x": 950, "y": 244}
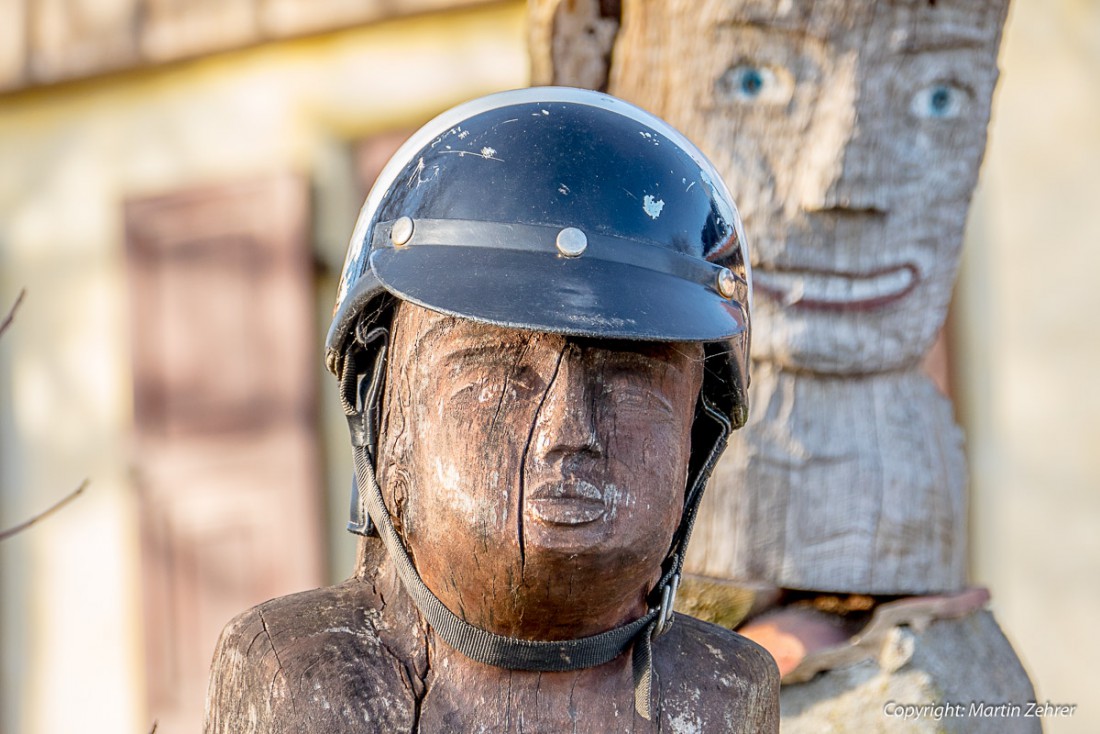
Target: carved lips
{"x": 834, "y": 291}
{"x": 570, "y": 502}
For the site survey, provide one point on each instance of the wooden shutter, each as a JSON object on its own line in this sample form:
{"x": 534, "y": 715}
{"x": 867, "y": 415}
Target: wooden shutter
{"x": 224, "y": 359}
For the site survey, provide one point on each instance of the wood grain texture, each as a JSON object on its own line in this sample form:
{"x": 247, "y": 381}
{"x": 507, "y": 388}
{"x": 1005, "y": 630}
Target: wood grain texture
{"x": 832, "y": 153}
{"x": 342, "y": 658}
{"x": 529, "y": 477}
{"x": 952, "y": 661}
{"x": 854, "y": 484}
{"x": 570, "y": 41}
{"x": 850, "y": 134}
{"x": 854, "y": 187}
{"x": 530, "y": 473}
{"x": 357, "y": 657}
{"x": 871, "y": 635}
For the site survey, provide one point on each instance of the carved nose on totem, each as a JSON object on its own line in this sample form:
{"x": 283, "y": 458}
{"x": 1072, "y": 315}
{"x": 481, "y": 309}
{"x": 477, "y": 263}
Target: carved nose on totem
{"x": 843, "y": 170}
{"x": 566, "y": 421}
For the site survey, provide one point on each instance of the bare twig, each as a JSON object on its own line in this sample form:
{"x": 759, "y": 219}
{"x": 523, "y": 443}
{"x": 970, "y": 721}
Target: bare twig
{"x": 154, "y": 729}
{"x": 11, "y": 313}
{"x": 4, "y": 535}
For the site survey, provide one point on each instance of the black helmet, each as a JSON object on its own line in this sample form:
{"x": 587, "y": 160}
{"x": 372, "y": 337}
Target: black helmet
{"x": 476, "y": 213}
{"x": 555, "y": 210}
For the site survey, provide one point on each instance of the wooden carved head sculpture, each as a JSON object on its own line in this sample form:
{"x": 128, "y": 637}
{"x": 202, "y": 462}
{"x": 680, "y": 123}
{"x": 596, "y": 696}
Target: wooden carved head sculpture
{"x": 541, "y": 363}
{"x": 851, "y": 134}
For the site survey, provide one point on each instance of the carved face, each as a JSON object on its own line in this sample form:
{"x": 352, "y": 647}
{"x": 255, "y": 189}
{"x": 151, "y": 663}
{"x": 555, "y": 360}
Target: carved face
{"x": 536, "y": 479}
{"x": 850, "y": 134}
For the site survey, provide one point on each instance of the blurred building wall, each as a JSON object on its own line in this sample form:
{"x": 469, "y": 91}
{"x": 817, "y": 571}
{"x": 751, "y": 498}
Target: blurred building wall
{"x": 1027, "y": 352}
{"x": 71, "y": 154}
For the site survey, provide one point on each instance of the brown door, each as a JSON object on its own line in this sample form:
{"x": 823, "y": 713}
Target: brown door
{"x": 224, "y": 402}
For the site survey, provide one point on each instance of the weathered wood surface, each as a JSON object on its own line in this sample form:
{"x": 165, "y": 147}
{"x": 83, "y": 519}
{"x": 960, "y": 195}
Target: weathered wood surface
{"x": 357, "y": 657}
{"x": 529, "y": 476}
{"x": 962, "y": 661}
{"x": 585, "y": 443}
{"x": 570, "y": 42}
{"x": 825, "y": 632}
{"x": 802, "y": 501}
{"x": 851, "y": 136}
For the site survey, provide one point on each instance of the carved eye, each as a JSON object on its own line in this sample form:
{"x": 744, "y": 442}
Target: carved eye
{"x": 752, "y": 83}
{"x": 939, "y": 102}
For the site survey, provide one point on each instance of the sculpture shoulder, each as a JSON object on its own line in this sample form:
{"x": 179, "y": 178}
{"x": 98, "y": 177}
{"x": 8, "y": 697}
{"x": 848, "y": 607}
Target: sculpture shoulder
{"x": 712, "y": 679}
{"x": 320, "y": 660}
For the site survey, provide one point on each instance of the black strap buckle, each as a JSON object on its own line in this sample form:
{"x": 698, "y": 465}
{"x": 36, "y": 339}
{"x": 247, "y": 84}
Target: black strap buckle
{"x": 665, "y": 608}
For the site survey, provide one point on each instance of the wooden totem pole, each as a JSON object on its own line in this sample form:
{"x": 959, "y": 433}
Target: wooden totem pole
{"x": 851, "y": 134}
{"x": 525, "y": 486}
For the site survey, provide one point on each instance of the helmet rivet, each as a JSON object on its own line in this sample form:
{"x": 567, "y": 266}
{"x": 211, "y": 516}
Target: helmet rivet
{"x": 727, "y": 283}
{"x": 572, "y": 242}
{"x": 402, "y": 231}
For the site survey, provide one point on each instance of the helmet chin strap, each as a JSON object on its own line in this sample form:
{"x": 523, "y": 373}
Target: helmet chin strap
{"x": 369, "y": 513}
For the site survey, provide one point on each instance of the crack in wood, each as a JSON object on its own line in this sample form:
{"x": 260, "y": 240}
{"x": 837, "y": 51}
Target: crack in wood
{"x": 526, "y": 451}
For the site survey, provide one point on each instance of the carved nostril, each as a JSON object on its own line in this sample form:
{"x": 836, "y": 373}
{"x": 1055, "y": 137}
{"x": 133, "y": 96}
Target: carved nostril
{"x": 849, "y": 209}
{"x": 844, "y": 195}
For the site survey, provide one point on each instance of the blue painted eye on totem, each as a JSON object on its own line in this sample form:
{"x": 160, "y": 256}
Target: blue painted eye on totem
{"x": 749, "y": 83}
{"x": 939, "y": 102}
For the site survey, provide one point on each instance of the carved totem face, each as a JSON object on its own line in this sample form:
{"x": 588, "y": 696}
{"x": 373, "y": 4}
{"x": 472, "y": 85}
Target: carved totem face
{"x": 536, "y": 479}
{"x": 850, "y": 134}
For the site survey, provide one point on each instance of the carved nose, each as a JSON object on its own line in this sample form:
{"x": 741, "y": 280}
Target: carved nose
{"x": 566, "y": 420}
{"x": 845, "y": 177}
{"x": 842, "y": 166}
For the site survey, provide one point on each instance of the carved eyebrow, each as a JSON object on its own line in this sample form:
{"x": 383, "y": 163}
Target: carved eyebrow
{"x": 741, "y": 22}
{"x": 437, "y": 322}
{"x": 468, "y": 341}
{"x": 478, "y": 348}
{"x": 479, "y": 353}
{"x": 947, "y": 37}
{"x": 630, "y": 358}
{"x": 649, "y": 398}
{"x": 483, "y": 336}
{"x": 951, "y": 39}
{"x": 634, "y": 362}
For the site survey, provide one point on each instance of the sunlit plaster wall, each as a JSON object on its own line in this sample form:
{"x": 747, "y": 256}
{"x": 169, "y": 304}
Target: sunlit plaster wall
{"x": 70, "y": 594}
{"x": 1028, "y": 351}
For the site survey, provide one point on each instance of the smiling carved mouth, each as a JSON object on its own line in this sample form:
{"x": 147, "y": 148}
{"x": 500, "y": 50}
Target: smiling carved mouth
{"x": 572, "y": 502}
{"x": 833, "y": 291}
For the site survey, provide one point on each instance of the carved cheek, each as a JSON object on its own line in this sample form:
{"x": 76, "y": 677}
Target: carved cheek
{"x": 456, "y": 494}
{"x": 649, "y": 443}
{"x": 472, "y": 442}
